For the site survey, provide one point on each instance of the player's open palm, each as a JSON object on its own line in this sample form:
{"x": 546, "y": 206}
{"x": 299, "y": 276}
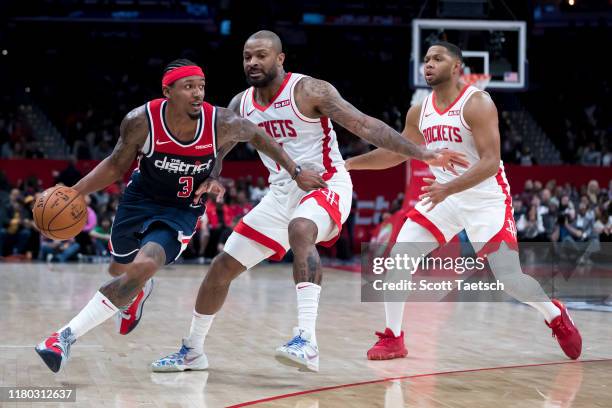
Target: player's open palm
{"x": 434, "y": 193}
{"x": 210, "y": 186}
{"x": 447, "y": 159}
{"x": 309, "y": 180}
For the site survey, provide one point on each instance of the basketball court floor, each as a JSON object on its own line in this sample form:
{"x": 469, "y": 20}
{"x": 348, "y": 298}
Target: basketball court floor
{"x": 460, "y": 354}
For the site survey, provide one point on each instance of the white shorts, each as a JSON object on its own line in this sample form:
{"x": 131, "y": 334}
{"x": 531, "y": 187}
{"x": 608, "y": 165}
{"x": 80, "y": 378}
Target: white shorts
{"x": 263, "y": 232}
{"x": 486, "y": 217}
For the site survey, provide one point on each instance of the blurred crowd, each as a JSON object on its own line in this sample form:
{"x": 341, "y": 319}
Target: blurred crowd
{"x": 16, "y": 138}
{"x": 574, "y": 219}
{"x": 569, "y": 216}
{"x": 19, "y": 239}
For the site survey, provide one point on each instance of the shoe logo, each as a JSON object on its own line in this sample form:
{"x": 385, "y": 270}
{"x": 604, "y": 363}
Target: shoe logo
{"x": 107, "y": 305}
{"x": 158, "y": 143}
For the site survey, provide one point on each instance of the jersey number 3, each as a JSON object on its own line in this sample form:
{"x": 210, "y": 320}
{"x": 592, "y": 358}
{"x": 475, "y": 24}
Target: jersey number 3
{"x": 187, "y": 183}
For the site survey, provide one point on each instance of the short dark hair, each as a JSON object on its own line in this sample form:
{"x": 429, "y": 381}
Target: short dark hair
{"x": 268, "y": 35}
{"x": 181, "y": 62}
{"x": 452, "y": 49}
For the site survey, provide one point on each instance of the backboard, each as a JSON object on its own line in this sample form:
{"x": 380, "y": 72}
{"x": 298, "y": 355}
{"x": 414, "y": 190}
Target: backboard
{"x": 497, "y": 48}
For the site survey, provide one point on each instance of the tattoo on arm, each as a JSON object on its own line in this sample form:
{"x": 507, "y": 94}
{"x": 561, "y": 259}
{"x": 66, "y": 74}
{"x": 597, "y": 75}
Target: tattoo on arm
{"x": 133, "y": 134}
{"x": 232, "y": 128}
{"x": 329, "y": 103}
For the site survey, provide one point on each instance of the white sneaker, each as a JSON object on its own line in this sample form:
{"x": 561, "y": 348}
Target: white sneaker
{"x": 186, "y": 359}
{"x": 299, "y": 352}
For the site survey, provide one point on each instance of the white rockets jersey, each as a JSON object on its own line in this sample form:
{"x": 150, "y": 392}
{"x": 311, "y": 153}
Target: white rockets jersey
{"x": 448, "y": 129}
{"x": 311, "y": 143}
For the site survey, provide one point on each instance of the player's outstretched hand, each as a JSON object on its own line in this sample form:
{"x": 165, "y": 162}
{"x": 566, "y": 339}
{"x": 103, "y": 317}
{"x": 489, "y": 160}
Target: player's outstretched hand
{"x": 447, "y": 159}
{"x": 309, "y": 180}
{"x": 434, "y": 194}
{"x": 211, "y": 186}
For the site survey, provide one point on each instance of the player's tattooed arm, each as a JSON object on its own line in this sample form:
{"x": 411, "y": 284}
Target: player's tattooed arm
{"x": 327, "y": 101}
{"x": 133, "y": 133}
{"x": 382, "y": 158}
{"x": 231, "y": 128}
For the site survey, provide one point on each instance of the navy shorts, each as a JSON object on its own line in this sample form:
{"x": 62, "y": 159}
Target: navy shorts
{"x": 139, "y": 219}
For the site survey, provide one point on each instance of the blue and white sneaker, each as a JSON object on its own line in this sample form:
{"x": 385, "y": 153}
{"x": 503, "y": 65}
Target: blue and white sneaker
{"x": 299, "y": 352}
{"x": 186, "y": 359}
{"x": 55, "y": 350}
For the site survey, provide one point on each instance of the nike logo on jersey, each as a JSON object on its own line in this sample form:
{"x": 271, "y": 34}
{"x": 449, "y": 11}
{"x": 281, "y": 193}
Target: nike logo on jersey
{"x": 158, "y": 143}
{"x": 251, "y": 111}
{"x": 428, "y": 114}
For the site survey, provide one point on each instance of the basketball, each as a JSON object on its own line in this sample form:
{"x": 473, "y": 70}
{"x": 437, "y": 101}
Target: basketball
{"x": 60, "y": 213}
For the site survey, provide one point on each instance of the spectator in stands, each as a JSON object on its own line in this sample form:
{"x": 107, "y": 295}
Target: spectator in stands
{"x": 17, "y": 228}
{"x": 57, "y": 251}
{"x": 592, "y": 192}
{"x": 100, "y": 235}
{"x": 603, "y": 227}
{"x": 226, "y": 232}
{"x": 590, "y": 155}
{"x": 70, "y": 175}
{"x": 258, "y": 191}
{"x": 87, "y": 246}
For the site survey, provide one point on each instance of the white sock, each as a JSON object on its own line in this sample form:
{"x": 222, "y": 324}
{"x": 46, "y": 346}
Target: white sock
{"x": 548, "y": 309}
{"x": 308, "y": 302}
{"x": 98, "y": 310}
{"x": 200, "y": 324}
{"x": 394, "y": 313}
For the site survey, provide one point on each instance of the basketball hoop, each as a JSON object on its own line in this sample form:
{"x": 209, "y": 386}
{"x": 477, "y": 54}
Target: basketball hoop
{"x": 480, "y": 81}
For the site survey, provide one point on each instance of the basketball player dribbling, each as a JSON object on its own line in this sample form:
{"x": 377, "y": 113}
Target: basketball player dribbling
{"x": 175, "y": 139}
{"x": 296, "y": 110}
{"x": 462, "y": 118}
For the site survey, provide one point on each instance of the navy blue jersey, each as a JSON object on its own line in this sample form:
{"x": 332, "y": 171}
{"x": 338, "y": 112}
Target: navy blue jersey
{"x": 171, "y": 170}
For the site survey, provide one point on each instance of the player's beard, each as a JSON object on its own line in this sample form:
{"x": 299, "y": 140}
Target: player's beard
{"x": 268, "y": 77}
{"x": 439, "y": 79}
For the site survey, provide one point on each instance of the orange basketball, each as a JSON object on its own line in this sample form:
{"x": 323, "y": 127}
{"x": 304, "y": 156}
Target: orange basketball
{"x": 60, "y": 213}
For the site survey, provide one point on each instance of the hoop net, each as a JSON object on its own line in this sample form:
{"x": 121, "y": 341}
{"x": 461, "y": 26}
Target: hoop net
{"x": 480, "y": 81}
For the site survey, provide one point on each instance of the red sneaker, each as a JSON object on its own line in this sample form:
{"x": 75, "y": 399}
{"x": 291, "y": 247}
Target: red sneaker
{"x": 128, "y": 319}
{"x": 388, "y": 346}
{"x": 566, "y": 332}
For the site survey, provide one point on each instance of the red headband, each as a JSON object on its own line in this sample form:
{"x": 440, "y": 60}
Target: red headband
{"x": 174, "y": 75}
